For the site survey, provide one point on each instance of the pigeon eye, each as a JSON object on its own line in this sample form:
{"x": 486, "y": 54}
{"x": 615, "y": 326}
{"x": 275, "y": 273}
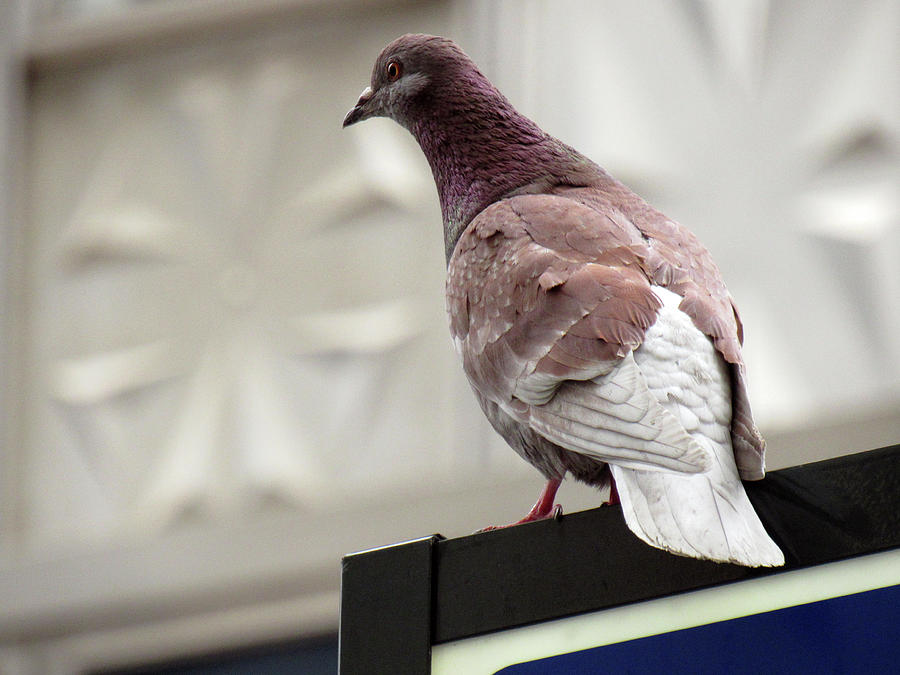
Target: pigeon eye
{"x": 394, "y": 70}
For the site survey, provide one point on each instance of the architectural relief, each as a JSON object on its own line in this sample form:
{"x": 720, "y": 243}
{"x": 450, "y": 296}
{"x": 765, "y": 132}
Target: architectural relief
{"x": 235, "y": 302}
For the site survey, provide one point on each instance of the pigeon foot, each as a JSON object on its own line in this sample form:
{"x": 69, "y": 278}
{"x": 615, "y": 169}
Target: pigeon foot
{"x": 543, "y": 508}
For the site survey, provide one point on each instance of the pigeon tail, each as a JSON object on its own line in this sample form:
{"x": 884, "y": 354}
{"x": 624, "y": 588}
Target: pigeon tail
{"x": 701, "y": 515}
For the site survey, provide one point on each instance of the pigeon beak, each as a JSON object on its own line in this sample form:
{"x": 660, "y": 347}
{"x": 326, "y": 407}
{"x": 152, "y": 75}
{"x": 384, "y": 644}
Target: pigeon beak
{"x": 360, "y": 111}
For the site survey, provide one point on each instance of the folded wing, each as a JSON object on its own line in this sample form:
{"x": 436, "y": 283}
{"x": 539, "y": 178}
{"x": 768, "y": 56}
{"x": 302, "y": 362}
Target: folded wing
{"x": 545, "y": 319}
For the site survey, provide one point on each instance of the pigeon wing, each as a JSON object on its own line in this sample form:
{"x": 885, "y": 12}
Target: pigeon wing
{"x": 677, "y": 260}
{"x": 547, "y": 298}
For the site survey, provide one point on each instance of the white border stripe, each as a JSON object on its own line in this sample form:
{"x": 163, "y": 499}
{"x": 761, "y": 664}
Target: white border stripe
{"x": 489, "y": 653}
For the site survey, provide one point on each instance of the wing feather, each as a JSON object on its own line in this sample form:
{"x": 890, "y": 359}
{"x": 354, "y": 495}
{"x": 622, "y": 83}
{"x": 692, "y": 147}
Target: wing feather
{"x": 551, "y": 320}
{"x": 615, "y": 418}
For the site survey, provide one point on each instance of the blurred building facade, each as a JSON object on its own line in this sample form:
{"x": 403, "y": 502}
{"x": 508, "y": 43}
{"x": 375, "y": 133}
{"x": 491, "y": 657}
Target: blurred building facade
{"x": 225, "y": 358}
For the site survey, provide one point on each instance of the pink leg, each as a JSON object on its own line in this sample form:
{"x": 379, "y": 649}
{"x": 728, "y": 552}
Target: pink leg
{"x": 543, "y": 508}
{"x": 613, "y": 493}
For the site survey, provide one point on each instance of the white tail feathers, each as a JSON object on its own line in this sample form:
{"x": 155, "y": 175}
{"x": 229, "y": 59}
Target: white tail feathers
{"x": 698, "y": 515}
{"x": 702, "y": 515}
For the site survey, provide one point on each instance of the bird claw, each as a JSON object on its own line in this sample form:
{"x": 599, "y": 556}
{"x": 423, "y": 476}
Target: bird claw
{"x": 555, "y": 514}
{"x": 543, "y": 508}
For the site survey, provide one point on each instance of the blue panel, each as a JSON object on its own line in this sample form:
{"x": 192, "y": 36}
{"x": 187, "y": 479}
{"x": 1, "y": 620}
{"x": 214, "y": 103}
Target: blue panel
{"x": 857, "y": 633}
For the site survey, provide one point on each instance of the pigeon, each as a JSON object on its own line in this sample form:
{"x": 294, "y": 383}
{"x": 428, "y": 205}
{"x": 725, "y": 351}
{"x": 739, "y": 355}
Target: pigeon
{"x": 597, "y": 334}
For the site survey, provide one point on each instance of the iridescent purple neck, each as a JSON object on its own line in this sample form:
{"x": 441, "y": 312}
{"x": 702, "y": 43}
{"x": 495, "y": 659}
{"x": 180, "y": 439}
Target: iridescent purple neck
{"x": 481, "y": 149}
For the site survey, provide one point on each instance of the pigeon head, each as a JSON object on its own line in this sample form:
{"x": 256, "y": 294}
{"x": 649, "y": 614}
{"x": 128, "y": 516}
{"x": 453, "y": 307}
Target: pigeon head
{"x": 479, "y": 147}
{"x": 405, "y": 73}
